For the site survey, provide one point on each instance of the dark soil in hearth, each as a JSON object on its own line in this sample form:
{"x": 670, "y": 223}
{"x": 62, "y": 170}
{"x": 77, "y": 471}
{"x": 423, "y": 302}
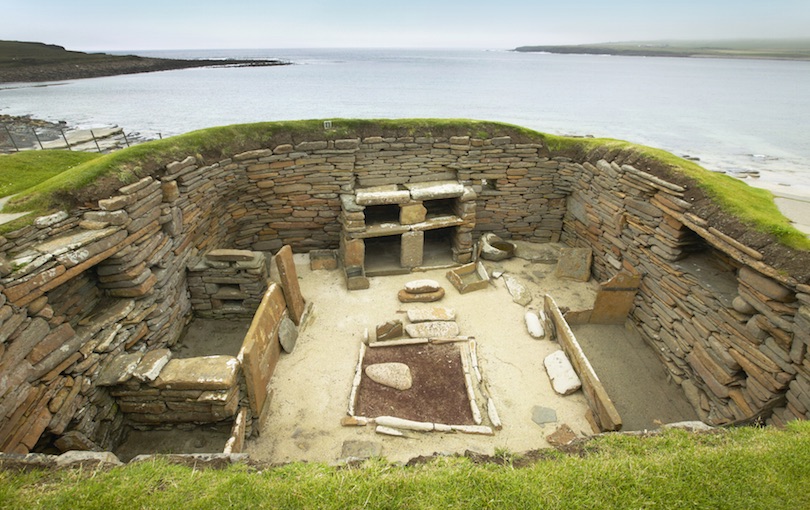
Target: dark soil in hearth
{"x": 438, "y": 393}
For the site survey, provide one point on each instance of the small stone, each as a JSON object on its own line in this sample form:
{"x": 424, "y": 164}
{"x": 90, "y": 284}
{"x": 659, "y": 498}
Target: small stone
{"x": 425, "y": 297}
{"x": 422, "y": 286}
{"x": 742, "y": 306}
{"x": 542, "y": 415}
{"x": 520, "y": 294}
{"x": 389, "y": 330}
{"x": 353, "y": 421}
{"x": 533, "y": 325}
{"x": 50, "y": 220}
{"x": 438, "y": 313}
{"x": 287, "y": 334}
{"x": 75, "y": 458}
{"x": 563, "y": 436}
{"x": 564, "y": 379}
{"x": 394, "y": 375}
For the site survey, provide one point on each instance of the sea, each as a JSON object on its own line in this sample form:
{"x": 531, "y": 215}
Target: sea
{"x": 749, "y": 118}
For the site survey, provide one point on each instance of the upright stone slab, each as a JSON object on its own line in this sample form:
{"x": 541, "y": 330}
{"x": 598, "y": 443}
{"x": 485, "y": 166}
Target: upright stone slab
{"x": 412, "y": 249}
{"x": 615, "y": 298}
{"x": 289, "y": 282}
{"x": 261, "y": 348}
{"x": 575, "y": 264}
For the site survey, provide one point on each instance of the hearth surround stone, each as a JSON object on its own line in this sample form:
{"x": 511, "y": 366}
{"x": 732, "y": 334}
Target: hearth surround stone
{"x": 83, "y": 287}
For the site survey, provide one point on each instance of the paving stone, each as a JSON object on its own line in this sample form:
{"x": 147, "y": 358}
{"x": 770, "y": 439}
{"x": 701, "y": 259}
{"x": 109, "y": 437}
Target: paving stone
{"x": 358, "y": 449}
{"x": 431, "y": 314}
{"x": 520, "y": 294}
{"x": 564, "y": 379}
{"x": 575, "y": 264}
{"x": 542, "y": 415}
{"x": 438, "y": 329}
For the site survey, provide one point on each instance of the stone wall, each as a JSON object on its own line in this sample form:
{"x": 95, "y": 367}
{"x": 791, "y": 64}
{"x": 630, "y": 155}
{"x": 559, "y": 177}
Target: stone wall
{"x": 82, "y": 287}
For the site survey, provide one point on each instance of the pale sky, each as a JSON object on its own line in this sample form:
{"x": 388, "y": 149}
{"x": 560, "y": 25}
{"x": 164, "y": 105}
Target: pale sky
{"x": 99, "y": 25}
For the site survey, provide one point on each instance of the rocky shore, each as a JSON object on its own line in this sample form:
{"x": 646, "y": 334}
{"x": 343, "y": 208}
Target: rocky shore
{"x": 36, "y": 62}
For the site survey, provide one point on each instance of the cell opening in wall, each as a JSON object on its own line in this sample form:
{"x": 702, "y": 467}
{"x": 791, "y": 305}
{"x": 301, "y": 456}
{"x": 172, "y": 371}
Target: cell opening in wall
{"x": 378, "y": 214}
{"x": 438, "y": 248}
{"x": 383, "y": 256}
{"x": 440, "y": 207}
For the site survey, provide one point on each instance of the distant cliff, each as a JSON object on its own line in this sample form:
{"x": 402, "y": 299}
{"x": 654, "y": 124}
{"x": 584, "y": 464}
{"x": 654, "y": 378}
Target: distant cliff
{"x": 37, "y": 62}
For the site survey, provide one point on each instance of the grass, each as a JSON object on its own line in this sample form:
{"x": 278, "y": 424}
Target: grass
{"x": 738, "y": 468}
{"x": 753, "y": 206}
{"x": 22, "y": 170}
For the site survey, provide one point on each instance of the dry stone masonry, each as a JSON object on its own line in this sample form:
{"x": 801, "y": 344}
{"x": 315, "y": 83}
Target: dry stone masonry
{"x": 93, "y": 298}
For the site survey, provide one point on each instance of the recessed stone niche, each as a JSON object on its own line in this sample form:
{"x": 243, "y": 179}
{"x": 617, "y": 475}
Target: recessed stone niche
{"x": 395, "y": 229}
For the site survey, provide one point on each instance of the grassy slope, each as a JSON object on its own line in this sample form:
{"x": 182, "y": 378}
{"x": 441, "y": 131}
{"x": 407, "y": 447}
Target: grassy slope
{"x": 788, "y": 49}
{"x": 752, "y": 205}
{"x": 738, "y": 468}
{"x": 23, "y": 170}
{"x": 15, "y": 54}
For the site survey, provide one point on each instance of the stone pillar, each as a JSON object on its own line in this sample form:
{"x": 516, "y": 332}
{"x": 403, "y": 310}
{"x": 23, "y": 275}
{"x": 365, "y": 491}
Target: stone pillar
{"x": 413, "y": 244}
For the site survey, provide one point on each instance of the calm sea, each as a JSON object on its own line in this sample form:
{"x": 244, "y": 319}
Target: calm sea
{"x": 735, "y": 115}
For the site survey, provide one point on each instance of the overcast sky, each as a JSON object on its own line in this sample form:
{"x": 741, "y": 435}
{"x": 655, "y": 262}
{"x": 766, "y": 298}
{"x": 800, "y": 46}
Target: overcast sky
{"x": 98, "y": 25}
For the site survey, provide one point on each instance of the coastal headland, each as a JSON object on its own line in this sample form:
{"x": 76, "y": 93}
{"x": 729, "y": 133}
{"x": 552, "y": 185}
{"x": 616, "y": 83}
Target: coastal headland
{"x": 39, "y": 62}
{"x": 780, "y": 49}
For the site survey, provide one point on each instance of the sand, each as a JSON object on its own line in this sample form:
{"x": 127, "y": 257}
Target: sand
{"x": 312, "y": 384}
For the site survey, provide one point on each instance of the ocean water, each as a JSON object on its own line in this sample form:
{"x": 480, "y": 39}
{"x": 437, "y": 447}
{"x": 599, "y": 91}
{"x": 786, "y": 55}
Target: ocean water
{"x": 735, "y": 115}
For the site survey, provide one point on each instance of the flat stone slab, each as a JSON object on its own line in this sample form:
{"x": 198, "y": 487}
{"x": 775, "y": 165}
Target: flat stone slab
{"x": 563, "y": 436}
{"x": 67, "y": 243}
{"x": 389, "y": 330}
{"x": 151, "y": 364}
{"x": 533, "y": 325}
{"x": 542, "y": 415}
{"x": 425, "y": 297}
{"x": 422, "y": 286}
{"x": 438, "y": 329}
{"x": 575, "y": 264}
{"x": 201, "y": 373}
{"x": 435, "y": 190}
{"x": 394, "y": 375}
{"x": 438, "y": 313}
{"x": 520, "y": 294}
{"x": 360, "y": 450}
{"x": 382, "y": 195}
{"x": 564, "y": 379}
{"x": 228, "y": 255}
{"x": 120, "y": 370}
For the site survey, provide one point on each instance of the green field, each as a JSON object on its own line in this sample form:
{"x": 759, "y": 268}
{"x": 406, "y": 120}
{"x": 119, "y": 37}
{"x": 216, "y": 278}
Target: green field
{"x": 751, "y": 468}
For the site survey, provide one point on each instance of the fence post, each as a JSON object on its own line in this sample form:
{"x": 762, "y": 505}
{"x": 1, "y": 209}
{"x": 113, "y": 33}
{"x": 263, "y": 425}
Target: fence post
{"x": 33, "y": 130}
{"x": 11, "y": 138}
{"x": 125, "y": 138}
{"x": 66, "y": 140}
{"x": 94, "y": 139}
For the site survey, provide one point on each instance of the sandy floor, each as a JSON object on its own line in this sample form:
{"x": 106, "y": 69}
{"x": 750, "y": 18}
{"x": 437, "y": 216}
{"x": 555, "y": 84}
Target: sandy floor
{"x": 311, "y": 385}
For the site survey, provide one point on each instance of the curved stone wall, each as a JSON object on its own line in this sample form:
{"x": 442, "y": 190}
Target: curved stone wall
{"x": 81, "y": 287}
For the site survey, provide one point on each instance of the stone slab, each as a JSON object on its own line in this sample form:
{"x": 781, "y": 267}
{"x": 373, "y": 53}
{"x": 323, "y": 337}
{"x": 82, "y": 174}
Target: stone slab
{"x": 412, "y": 249}
{"x": 438, "y": 329}
{"x": 228, "y": 255}
{"x": 575, "y": 264}
{"x": 615, "y": 299}
{"x": 423, "y": 297}
{"x": 435, "y": 190}
{"x": 542, "y": 415}
{"x": 389, "y": 330}
{"x": 75, "y": 241}
{"x": 410, "y": 214}
{"x": 382, "y": 195}
{"x": 119, "y": 370}
{"x": 201, "y": 373}
{"x": 261, "y": 349}
{"x": 422, "y": 286}
{"x": 520, "y": 294}
{"x": 287, "y": 334}
{"x": 438, "y": 313}
{"x": 289, "y": 282}
{"x": 151, "y": 364}
{"x": 564, "y": 379}
{"x": 357, "y": 449}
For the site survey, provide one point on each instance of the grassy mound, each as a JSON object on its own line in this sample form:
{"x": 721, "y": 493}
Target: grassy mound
{"x": 737, "y": 468}
{"x": 100, "y": 176}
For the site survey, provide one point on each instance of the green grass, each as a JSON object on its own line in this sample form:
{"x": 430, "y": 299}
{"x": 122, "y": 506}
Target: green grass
{"x": 753, "y": 206}
{"x": 22, "y": 170}
{"x": 739, "y": 468}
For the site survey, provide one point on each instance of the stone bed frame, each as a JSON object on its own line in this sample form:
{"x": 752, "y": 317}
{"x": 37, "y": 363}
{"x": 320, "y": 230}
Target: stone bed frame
{"x": 82, "y": 287}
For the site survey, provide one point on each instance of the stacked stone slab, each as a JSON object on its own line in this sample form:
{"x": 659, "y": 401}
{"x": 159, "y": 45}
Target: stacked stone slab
{"x": 734, "y": 363}
{"x": 227, "y": 283}
{"x": 82, "y": 287}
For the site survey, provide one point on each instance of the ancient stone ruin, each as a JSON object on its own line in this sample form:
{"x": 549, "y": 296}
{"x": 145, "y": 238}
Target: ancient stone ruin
{"x": 95, "y": 298}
